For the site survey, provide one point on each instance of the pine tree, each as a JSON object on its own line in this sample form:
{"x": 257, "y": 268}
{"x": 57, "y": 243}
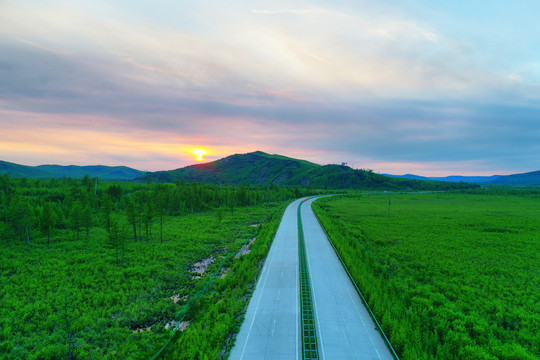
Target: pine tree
{"x": 76, "y": 218}
{"x": 47, "y": 220}
{"x": 131, "y": 213}
{"x": 20, "y": 217}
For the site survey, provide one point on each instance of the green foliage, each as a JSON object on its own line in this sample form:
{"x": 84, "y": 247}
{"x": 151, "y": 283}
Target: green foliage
{"x": 267, "y": 170}
{"x": 19, "y": 217}
{"x": 117, "y": 288}
{"x": 449, "y": 275}
{"x": 219, "y": 313}
{"x": 76, "y": 217}
{"x": 131, "y": 213}
{"x": 47, "y": 220}
{"x": 12, "y": 169}
{"x": 59, "y": 172}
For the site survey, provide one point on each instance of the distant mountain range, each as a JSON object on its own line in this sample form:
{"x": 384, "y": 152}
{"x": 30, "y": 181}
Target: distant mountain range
{"x": 57, "y": 171}
{"x": 530, "y": 178}
{"x": 454, "y": 178}
{"x": 259, "y": 168}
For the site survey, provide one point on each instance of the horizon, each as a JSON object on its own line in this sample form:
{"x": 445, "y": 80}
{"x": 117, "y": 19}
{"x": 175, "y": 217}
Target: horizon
{"x": 431, "y": 89}
{"x": 209, "y": 161}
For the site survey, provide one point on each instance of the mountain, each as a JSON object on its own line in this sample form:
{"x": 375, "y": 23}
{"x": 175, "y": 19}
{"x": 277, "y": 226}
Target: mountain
{"x": 255, "y": 168}
{"x": 100, "y": 171}
{"x": 530, "y": 178}
{"x": 259, "y": 168}
{"x": 58, "y": 171}
{"x": 452, "y": 178}
{"x": 16, "y": 170}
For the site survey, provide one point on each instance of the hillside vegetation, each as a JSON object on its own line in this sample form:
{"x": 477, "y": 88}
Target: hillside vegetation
{"x": 263, "y": 169}
{"x": 523, "y": 180}
{"x": 259, "y": 168}
{"x": 70, "y": 171}
{"x": 530, "y": 178}
{"x": 449, "y": 275}
{"x": 88, "y": 273}
{"x": 16, "y": 170}
{"x": 99, "y": 171}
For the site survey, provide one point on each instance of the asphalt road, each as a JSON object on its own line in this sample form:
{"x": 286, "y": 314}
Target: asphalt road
{"x": 271, "y": 328}
{"x": 345, "y": 329}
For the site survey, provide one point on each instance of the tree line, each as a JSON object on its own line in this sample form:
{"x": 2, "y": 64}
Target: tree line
{"x": 31, "y": 208}
{"x": 93, "y": 269}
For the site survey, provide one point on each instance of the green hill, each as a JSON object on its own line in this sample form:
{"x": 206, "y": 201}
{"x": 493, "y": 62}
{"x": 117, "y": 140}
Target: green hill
{"x": 100, "y": 171}
{"x": 259, "y": 168}
{"x": 530, "y": 178}
{"x": 16, "y": 170}
{"x": 525, "y": 179}
{"x": 73, "y": 171}
{"x": 255, "y": 168}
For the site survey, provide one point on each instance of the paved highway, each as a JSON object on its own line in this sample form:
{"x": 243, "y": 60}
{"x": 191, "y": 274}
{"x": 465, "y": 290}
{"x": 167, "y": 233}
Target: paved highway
{"x": 344, "y": 327}
{"x": 271, "y": 328}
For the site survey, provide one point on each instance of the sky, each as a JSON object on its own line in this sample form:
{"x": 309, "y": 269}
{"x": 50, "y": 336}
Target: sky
{"x": 432, "y": 88}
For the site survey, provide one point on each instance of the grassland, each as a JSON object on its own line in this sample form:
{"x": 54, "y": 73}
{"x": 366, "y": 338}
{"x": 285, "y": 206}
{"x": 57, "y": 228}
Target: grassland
{"x": 449, "y": 275}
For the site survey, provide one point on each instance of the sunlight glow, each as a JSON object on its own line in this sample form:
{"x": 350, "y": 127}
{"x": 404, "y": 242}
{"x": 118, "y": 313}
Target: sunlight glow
{"x": 199, "y": 153}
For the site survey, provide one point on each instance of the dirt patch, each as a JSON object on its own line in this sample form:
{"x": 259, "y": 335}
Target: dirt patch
{"x": 181, "y": 327}
{"x": 246, "y": 248}
{"x": 177, "y": 298}
{"x": 200, "y": 267}
{"x": 142, "y": 329}
{"x": 171, "y": 324}
{"x": 223, "y": 273}
{"x": 255, "y": 225}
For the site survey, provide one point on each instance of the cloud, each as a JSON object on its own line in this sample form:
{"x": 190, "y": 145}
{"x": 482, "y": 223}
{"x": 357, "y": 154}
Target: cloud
{"x": 306, "y": 11}
{"x": 46, "y": 48}
{"x": 367, "y": 82}
{"x": 346, "y": 59}
{"x": 402, "y": 30}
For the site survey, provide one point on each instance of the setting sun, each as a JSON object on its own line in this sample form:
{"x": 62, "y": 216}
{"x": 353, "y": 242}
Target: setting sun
{"x": 199, "y": 153}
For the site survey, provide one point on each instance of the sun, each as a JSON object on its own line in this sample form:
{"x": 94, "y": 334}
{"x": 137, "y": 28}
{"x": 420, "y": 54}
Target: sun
{"x": 199, "y": 153}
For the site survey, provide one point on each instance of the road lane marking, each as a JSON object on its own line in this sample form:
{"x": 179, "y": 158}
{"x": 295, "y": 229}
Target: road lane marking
{"x": 257, "y": 307}
{"x": 341, "y": 279}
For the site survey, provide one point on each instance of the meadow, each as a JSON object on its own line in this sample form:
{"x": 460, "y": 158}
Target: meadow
{"x": 451, "y": 275}
{"x": 91, "y": 269}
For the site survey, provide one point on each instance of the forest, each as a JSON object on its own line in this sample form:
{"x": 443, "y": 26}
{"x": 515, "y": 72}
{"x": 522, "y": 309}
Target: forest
{"x": 451, "y": 275}
{"x": 93, "y": 269}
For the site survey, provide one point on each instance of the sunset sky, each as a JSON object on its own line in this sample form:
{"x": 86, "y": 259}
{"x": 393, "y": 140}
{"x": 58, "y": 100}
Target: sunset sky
{"x": 404, "y": 86}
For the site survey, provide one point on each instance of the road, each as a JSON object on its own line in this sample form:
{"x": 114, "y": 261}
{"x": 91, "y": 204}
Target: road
{"x": 271, "y": 328}
{"x": 344, "y": 327}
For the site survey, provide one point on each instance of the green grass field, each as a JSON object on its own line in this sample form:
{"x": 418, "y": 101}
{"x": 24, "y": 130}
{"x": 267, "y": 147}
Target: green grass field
{"x": 449, "y": 275}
